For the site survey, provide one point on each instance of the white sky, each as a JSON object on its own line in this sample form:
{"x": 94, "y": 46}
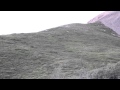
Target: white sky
{"x": 34, "y": 21}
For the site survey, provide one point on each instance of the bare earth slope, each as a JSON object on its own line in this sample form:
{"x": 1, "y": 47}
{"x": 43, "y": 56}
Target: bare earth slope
{"x": 73, "y": 51}
{"x": 110, "y": 19}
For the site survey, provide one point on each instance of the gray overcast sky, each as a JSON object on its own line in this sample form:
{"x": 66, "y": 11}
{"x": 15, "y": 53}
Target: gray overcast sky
{"x": 34, "y": 21}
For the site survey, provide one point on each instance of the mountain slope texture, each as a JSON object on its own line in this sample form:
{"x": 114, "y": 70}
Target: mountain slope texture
{"x": 110, "y": 19}
{"x": 73, "y": 51}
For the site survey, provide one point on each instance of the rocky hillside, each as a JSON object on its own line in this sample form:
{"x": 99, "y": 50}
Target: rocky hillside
{"x": 74, "y": 51}
{"x": 110, "y": 19}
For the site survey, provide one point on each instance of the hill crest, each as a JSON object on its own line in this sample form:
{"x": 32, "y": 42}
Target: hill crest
{"x": 110, "y": 19}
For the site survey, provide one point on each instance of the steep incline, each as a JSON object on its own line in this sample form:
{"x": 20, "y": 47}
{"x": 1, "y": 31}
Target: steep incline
{"x": 70, "y": 51}
{"x": 110, "y": 19}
